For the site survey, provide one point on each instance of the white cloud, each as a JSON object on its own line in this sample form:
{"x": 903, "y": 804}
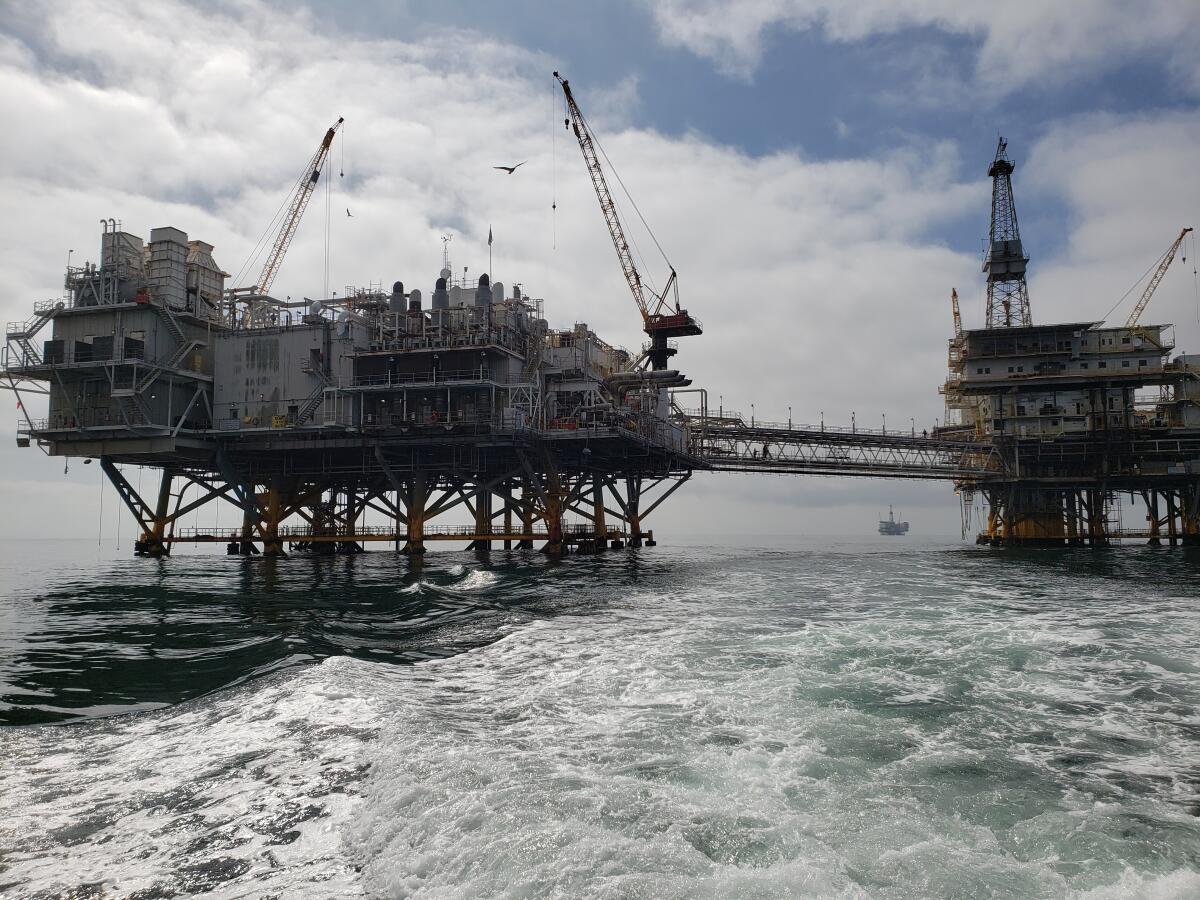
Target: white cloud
{"x": 1130, "y": 185}
{"x": 1020, "y": 43}
{"x": 817, "y": 281}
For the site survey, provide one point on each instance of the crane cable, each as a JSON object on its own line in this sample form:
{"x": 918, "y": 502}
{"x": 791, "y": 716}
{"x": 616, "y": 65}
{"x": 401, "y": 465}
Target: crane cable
{"x": 629, "y": 196}
{"x": 325, "y": 296}
{"x": 596, "y": 140}
{"x": 554, "y": 165}
{"x": 1195, "y": 277}
{"x": 257, "y": 250}
{"x": 1132, "y": 287}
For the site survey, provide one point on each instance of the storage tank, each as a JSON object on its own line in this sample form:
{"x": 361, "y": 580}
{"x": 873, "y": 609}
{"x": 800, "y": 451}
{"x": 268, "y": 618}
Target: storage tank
{"x": 414, "y": 301}
{"x": 396, "y": 301}
{"x": 483, "y": 296}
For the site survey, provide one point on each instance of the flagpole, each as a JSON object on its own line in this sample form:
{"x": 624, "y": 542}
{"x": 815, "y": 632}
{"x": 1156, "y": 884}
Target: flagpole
{"x": 491, "y": 275}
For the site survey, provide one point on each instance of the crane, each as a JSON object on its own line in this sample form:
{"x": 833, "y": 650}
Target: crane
{"x": 958, "y": 331}
{"x": 1163, "y": 262}
{"x": 660, "y": 318}
{"x": 303, "y": 192}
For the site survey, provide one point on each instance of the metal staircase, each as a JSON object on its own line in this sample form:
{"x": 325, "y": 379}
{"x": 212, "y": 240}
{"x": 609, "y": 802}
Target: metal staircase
{"x": 170, "y": 321}
{"x": 314, "y": 399}
{"x": 171, "y": 362}
{"x": 132, "y": 407}
{"x": 23, "y": 333}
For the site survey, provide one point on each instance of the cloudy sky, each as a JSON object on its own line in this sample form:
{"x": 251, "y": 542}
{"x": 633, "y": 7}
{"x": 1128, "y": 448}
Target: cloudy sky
{"x": 815, "y": 171}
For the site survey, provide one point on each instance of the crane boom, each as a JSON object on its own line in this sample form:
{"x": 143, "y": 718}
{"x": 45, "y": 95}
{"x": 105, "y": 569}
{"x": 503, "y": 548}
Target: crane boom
{"x": 1163, "y": 262}
{"x": 659, "y": 319}
{"x": 957, "y": 315}
{"x": 291, "y": 222}
{"x": 609, "y": 209}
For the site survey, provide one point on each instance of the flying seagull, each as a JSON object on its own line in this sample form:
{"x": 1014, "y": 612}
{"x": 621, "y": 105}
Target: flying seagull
{"x": 348, "y": 212}
{"x": 511, "y": 169}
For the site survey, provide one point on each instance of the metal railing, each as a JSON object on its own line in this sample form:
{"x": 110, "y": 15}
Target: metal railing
{"x": 69, "y": 357}
{"x": 86, "y": 419}
{"x": 403, "y": 379}
{"x": 388, "y": 532}
{"x": 715, "y": 421}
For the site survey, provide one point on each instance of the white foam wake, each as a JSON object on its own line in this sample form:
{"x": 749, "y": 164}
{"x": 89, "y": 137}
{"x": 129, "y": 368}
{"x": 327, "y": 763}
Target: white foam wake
{"x": 239, "y": 795}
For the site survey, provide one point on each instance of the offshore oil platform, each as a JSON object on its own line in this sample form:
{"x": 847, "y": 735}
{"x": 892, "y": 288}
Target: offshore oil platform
{"x": 308, "y": 415}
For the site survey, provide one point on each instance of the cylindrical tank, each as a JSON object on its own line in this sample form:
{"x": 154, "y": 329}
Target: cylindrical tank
{"x": 498, "y": 292}
{"x": 414, "y": 300}
{"x": 441, "y": 296}
{"x": 396, "y": 303}
{"x": 456, "y": 296}
{"x": 516, "y": 292}
{"x": 483, "y": 296}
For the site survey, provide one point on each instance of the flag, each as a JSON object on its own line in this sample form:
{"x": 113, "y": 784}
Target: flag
{"x": 20, "y": 405}
{"x": 489, "y": 235}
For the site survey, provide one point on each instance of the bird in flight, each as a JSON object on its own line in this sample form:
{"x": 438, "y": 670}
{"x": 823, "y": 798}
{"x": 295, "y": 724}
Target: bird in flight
{"x": 510, "y": 169}
{"x": 348, "y": 212}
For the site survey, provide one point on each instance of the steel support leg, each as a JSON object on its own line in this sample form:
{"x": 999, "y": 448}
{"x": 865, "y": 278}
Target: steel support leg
{"x": 1151, "y": 500}
{"x": 483, "y": 519}
{"x": 1172, "y": 518}
{"x": 527, "y": 508}
{"x": 1189, "y": 515}
{"x": 246, "y": 547}
{"x": 598, "y": 517}
{"x": 272, "y": 513}
{"x": 553, "y": 507}
{"x": 508, "y": 510}
{"x": 633, "y": 504}
{"x": 418, "y": 496}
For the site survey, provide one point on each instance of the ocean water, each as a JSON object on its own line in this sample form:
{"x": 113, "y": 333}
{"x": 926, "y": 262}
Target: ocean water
{"x": 800, "y": 717}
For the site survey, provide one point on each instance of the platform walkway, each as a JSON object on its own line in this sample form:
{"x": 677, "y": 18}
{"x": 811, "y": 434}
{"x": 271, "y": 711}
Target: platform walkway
{"x": 729, "y": 443}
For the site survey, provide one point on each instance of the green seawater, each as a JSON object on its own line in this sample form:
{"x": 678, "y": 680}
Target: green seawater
{"x": 792, "y": 717}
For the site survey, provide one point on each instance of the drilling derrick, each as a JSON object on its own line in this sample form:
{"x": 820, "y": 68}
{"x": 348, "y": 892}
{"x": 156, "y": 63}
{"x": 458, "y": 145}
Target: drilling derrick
{"x": 1005, "y": 262}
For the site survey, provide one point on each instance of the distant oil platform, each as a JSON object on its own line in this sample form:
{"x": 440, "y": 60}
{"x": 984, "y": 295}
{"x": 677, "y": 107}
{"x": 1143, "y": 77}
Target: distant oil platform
{"x": 891, "y": 526}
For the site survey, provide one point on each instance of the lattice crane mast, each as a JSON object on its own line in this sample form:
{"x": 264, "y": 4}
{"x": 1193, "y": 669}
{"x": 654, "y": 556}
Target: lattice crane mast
{"x": 1164, "y": 262}
{"x": 302, "y": 194}
{"x": 958, "y": 329}
{"x": 661, "y": 319}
